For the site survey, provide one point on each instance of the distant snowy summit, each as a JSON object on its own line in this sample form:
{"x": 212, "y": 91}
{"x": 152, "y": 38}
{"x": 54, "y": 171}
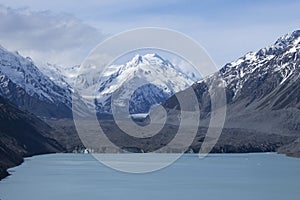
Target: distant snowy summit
{"x": 151, "y": 79}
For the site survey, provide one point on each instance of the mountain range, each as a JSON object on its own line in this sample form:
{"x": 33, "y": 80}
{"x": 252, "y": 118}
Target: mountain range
{"x": 262, "y": 92}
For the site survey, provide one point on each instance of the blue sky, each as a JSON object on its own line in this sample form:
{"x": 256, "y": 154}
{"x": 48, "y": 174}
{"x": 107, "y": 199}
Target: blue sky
{"x": 227, "y": 29}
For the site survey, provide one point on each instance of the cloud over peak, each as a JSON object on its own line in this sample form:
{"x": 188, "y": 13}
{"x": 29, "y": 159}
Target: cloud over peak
{"x": 46, "y": 36}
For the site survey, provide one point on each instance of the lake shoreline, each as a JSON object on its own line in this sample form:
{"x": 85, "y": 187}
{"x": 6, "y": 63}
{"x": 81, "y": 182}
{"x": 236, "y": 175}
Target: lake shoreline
{"x": 4, "y": 173}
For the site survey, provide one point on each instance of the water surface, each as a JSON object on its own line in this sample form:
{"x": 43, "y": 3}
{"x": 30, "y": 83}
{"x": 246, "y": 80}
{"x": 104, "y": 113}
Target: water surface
{"x": 219, "y": 176}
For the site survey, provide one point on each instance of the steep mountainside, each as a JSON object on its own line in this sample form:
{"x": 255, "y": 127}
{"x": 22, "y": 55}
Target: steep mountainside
{"x": 22, "y": 134}
{"x": 263, "y": 96}
{"x": 25, "y": 86}
{"x": 272, "y": 72}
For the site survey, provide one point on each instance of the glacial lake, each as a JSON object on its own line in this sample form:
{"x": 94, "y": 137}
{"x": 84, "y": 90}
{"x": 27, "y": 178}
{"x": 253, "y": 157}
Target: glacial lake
{"x": 219, "y": 176}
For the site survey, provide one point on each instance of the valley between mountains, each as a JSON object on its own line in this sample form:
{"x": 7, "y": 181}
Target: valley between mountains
{"x": 262, "y": 92}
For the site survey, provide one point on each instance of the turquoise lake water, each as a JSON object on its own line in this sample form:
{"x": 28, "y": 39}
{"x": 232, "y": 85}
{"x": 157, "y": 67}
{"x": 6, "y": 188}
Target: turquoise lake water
{"x": 219, "y": 176}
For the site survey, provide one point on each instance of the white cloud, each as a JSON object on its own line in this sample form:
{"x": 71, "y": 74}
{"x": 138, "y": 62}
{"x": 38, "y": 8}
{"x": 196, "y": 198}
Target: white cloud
{"x": 226, "y": 29}
{"x": 47, "y": 37}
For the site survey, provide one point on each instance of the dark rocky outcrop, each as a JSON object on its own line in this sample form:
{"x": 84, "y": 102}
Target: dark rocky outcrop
{"x": 22, "y": 134}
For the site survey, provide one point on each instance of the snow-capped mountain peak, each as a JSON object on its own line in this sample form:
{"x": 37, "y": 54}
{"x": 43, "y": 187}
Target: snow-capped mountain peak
{"x": 150, "y": 67}
{"x": 162, "y": 79}
{"x": 151, "y": 59}
{"x": 146, "y": 60}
